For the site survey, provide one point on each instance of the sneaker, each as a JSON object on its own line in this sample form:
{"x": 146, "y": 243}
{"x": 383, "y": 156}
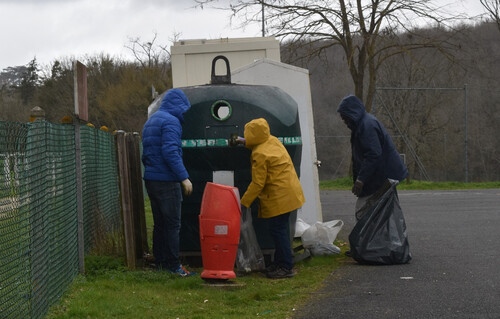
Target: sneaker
{"x": 280, "y": 272}
{"x": 183, "y": 272}
{"x": 270, "y": 268}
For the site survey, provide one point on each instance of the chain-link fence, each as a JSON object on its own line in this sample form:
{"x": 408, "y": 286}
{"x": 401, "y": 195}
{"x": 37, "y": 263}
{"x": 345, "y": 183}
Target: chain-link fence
{"x": 38, "y": 209}
{"x": 430, "y": 129}
{"x": 334, "y": 152}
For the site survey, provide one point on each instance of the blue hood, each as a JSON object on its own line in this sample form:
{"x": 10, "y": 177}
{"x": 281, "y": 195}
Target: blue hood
{"x": 352, "y": 107}
{"x": 176, "y": 103}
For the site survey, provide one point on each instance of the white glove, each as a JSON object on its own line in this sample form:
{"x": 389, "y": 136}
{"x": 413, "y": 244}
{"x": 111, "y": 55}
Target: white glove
{"x": 187, "y": 187}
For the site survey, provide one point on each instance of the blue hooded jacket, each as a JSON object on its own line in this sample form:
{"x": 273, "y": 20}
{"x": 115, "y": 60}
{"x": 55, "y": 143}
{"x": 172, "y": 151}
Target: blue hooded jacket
{"x": 161, "y": 139}
{"x": 374, "y": 156}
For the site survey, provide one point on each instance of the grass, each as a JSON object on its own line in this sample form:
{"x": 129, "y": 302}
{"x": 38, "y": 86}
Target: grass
{"x": 110, "y": 291}
{"x": 116, "y": 293}
{"x": 345, "y": 183}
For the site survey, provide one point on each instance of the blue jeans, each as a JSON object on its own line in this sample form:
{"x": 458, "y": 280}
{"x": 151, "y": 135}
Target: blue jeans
{"x": 166, "y": 201}
{"x": 279, "y": 226}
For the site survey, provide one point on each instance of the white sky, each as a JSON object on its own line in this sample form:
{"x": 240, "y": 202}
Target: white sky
{"x": 52, "y": 29}
{"x": 56, "y": 29}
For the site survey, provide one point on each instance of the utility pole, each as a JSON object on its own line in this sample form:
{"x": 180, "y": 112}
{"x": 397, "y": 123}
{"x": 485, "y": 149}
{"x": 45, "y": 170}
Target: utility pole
{"x": 263, "y": 27}
{"x": 465, "y": 137}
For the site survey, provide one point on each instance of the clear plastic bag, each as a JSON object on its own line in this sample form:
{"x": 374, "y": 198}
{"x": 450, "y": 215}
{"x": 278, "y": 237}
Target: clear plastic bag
{"x": 249, "y": 256}
{"x": 319, "y": 238}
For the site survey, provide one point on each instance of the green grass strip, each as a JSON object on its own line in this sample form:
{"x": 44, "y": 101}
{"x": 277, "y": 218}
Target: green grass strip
{"x": 345, "y": 183}
{"x": 110, "y": 291}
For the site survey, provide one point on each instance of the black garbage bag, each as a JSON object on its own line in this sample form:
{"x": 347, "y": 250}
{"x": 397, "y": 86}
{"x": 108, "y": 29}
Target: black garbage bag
{"x": 379, "y": 237}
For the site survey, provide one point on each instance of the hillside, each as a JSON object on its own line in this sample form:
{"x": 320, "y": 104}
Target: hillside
{"x": 441, "y": 108}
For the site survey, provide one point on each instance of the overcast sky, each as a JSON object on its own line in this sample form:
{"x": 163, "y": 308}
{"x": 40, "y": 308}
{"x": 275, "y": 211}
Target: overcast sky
{"x": 51, "y": 29}
{"x": 54, "y": 29}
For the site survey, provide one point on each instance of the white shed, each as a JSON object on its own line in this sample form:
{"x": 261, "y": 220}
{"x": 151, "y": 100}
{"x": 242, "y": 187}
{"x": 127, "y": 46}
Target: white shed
{"x": 192, "y": 59}
{"x": 295, "y": 82}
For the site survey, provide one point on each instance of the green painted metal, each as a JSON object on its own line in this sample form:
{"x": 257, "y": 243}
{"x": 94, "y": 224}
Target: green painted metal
{"x": 205, "y": 144}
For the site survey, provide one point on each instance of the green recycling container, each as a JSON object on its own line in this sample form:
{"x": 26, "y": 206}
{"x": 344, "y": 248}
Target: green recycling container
{"x": 217, "y": 111}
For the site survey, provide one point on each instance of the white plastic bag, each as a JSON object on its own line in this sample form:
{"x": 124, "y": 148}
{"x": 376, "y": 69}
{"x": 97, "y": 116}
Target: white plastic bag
{"x": 319, "y": 237}
{"x": 300, "y": 227}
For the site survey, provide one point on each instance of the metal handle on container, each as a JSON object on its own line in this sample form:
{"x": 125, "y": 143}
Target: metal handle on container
{"x": 221, "y": 79}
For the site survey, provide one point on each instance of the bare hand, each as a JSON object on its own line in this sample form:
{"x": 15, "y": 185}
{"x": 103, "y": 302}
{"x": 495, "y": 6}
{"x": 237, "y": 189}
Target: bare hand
{"x": 187, "y": 187}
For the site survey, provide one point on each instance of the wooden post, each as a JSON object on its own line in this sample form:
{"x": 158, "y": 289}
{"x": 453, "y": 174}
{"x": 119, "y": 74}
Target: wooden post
{"x": 126, "y": 197}
{"x": 37, "y": 113}
{"x": 137, "y": 191}
{"x": 80, "y": 88}
{"x": 81, "y": 112}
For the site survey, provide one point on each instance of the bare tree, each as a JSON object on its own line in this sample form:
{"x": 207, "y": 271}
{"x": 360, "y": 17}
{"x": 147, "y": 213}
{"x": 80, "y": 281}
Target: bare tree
{"x": 367, "y": 31}
{"x": 150, "y": 54}
{"x": 493, "y": 10}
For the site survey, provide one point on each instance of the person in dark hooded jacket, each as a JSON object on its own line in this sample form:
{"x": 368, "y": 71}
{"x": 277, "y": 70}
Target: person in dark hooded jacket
{"x": 166, "y": 177}
{"x": 374, "y": 156}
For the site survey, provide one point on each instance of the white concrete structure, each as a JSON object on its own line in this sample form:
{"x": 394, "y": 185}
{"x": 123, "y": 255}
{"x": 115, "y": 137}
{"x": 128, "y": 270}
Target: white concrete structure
{"x": 295, "y": 82}
{"x": 256, "y": 61}
{"x": 192, "y": 59}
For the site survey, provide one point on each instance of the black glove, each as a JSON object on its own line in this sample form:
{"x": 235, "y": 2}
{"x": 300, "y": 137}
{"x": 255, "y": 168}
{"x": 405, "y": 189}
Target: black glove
{"x": 235, "y": 140}
{"x": 357, "y": 188}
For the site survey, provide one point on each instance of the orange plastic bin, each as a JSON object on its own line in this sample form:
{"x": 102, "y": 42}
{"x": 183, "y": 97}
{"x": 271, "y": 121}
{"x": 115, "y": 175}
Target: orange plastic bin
{"x": 220, "y": 219}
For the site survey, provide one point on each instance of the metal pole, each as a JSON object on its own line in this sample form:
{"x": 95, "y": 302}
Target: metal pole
{"x": 445, "y": 158}
{"x": 79, "y": 199}
{"x": 465, "y": 138}
{"x": 263, "y": 27}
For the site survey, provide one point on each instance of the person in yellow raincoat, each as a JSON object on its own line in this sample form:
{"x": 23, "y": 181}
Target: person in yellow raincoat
{"x": 275, "y": 183}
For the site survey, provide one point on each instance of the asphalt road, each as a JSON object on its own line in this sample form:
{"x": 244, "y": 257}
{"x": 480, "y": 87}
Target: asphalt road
{"x": 455, "y": 272}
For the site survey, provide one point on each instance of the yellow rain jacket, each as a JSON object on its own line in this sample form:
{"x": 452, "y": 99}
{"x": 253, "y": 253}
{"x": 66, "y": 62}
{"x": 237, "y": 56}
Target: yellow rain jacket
{"x": 274, "y": 180}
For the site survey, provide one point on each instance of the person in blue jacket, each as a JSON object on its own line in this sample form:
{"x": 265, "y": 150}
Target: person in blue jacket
{"x": 375, "y": 159}
{"x": 166, "y": 178}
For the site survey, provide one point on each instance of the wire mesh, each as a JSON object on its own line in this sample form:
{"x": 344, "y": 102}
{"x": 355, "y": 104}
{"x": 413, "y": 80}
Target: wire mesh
{"x": 100, "y": 185}
{"x": 38, "y": 210}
